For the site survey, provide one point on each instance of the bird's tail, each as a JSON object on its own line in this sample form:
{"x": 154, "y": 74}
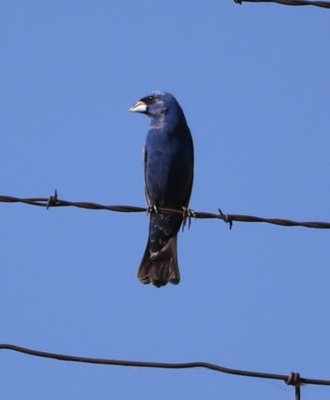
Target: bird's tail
{"x": 160, "y": 267}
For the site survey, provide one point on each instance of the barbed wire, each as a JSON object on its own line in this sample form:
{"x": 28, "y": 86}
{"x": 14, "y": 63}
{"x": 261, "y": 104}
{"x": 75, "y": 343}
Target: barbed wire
{"x": 54, "y": 201}
{"x": 293, "y": 379}
{"x": 323, "y": 4}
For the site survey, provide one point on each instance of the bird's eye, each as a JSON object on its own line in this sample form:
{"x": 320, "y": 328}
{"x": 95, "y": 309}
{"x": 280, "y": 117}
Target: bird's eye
{"x": 149, "y": 100}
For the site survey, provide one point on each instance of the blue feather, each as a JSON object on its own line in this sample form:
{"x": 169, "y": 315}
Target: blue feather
{"x": 168, "y": 167}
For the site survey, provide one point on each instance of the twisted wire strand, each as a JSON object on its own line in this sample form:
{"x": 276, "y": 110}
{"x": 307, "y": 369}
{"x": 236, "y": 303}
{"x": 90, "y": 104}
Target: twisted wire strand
{"x": 54, "y": 201}
{"x": 322, "y": 4}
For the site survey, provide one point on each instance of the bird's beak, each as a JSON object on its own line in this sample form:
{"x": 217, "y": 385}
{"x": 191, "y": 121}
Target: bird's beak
{"x": 139, "y": 107}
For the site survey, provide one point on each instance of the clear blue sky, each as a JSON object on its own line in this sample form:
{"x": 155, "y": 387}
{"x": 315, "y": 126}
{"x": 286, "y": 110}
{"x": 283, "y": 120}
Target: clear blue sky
{"x": 253, "y": 81}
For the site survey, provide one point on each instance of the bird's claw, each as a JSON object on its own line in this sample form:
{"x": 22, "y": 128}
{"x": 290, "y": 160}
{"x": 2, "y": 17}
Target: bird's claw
{"x": 187, "y": 215}
{"x": 153, "y": 210}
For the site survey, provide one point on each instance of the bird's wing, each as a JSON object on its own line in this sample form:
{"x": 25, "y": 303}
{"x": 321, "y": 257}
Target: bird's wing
{"x": 190, "y": 149}
{"x": 145, "y": 153}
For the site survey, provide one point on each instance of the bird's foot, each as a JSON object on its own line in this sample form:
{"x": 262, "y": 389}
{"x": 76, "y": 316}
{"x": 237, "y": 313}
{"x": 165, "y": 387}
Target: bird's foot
{"x": 187, "y": 215}
{"x": 153, "y": 209}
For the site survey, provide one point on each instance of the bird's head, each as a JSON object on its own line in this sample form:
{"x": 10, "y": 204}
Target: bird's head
{"x": 157, "y": 104}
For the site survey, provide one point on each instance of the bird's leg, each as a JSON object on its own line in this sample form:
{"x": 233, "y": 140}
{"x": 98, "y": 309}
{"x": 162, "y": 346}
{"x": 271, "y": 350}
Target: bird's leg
{"x": 187, "y": 215}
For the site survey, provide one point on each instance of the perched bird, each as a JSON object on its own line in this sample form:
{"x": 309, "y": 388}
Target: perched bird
{"x": 168, "y": 171}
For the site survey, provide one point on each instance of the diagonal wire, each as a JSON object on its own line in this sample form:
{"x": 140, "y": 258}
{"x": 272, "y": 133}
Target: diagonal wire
{"x": 322, "y": 4}
{"x": 54, "y": 201}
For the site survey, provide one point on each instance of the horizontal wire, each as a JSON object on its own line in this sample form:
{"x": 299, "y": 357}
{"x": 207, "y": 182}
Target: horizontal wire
{"x": 322, "y": 4}
{"x": 54, "y": 201}
{"x": 293, "y": 379}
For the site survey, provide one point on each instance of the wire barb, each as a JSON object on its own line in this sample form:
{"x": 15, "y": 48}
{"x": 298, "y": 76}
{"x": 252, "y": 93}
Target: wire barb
{"x": 188, "y": 214}
{"x": 226, "y": 218}
{"x": 322, "y": 4}
{"x": 52, "y": 200}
